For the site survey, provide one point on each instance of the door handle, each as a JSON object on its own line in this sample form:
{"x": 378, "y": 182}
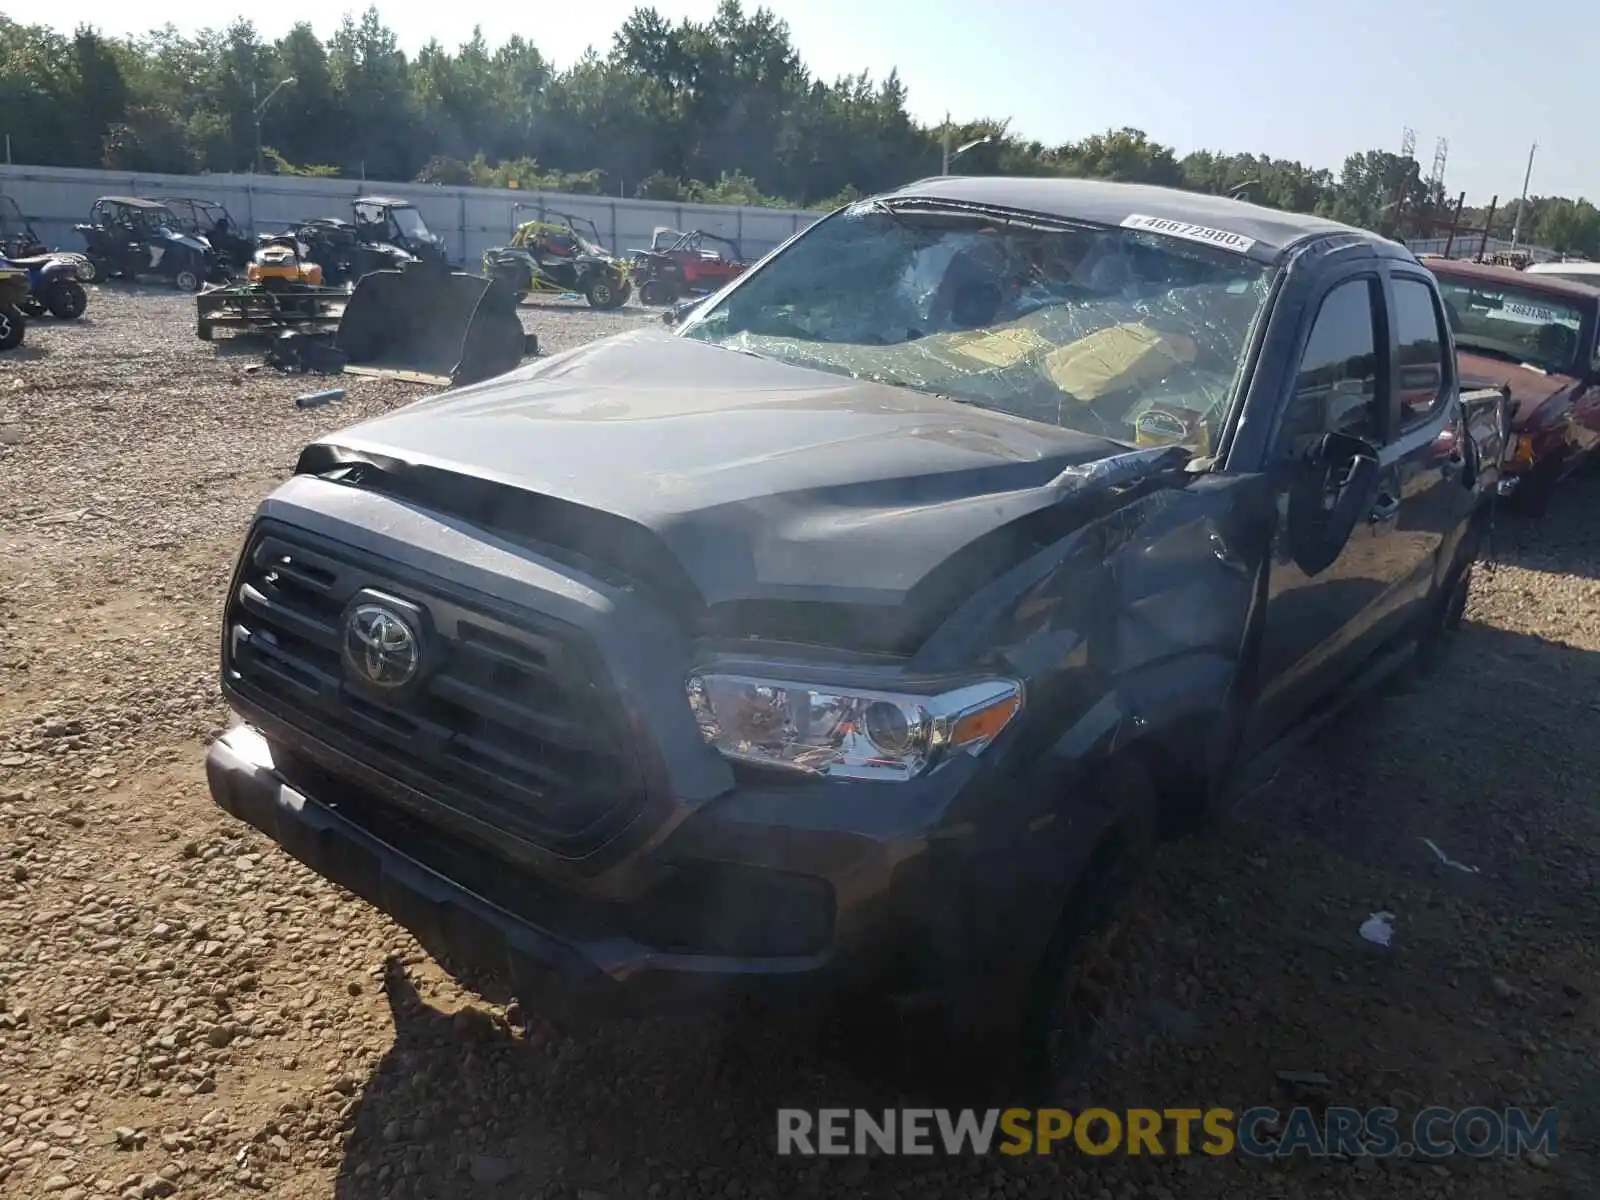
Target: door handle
{"x": 1384, "y": 508}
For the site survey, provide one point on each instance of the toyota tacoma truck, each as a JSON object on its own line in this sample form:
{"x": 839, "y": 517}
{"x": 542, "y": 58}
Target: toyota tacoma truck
{"x": 862, "y": 630}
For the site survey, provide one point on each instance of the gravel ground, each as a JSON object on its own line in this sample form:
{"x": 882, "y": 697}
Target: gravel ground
{"x": 185, "y": 1011}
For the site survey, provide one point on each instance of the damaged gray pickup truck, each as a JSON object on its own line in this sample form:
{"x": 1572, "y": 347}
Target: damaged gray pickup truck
{"x": 864, "y": 629}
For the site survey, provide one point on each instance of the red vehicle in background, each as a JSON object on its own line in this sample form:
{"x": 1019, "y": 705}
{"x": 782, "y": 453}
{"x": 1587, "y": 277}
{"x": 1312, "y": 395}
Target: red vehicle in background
{"x": 697, "y": 264}
{"x": 1536, "y": 334}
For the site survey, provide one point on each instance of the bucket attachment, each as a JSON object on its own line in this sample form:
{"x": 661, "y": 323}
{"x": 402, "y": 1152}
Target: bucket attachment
{"x": 430, "y": 326}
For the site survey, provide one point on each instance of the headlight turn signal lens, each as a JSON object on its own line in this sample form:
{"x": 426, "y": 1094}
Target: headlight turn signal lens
{"x": 850, "y": 733}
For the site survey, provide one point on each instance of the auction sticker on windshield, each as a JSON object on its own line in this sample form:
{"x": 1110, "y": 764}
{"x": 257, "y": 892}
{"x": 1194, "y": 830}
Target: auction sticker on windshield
{"x": 1531, "y": 311}
{"x": 1220, "y": 238}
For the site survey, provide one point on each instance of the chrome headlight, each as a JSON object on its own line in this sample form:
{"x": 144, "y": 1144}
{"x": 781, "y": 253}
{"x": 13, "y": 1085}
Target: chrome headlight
{"x": 848, "y": 732}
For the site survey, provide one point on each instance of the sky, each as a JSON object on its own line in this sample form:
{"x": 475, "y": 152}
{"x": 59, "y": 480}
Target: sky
{"x": 1303, "y": 81}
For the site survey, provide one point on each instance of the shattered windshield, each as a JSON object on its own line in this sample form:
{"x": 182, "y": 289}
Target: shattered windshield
{"x": 1115, "y": 332}
{"x": 1523, "y": 324}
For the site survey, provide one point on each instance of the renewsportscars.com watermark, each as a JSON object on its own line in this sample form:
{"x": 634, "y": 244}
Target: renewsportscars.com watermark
{"x": 1256, "y": 1132}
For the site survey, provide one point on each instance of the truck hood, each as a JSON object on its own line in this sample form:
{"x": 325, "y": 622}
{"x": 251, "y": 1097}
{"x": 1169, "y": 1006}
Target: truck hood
{"x": 760, "y": 480}
{"x": 1530, "y": 388}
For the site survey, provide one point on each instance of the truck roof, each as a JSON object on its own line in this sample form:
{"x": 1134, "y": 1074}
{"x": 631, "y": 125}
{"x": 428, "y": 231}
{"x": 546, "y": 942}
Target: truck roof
{"x": 1551, "y": 285}
{"x": 1252, "y": 229}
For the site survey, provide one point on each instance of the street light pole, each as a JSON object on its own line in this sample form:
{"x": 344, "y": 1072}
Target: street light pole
{"x": 255, "y": 167}
{"x": 945, "y": 135}
{"x": 1516, "y": 224}
{"x": 951, "y": 155}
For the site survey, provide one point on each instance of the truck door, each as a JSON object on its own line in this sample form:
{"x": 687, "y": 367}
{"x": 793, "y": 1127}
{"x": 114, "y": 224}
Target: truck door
{"x": 1319, "y": 618}
{"x": 1427, "y": 449}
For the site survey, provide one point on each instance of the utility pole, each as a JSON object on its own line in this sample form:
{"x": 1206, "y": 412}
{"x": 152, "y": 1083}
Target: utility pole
{"x": 1516, "y": 224}
{"x": 945, "y": 170}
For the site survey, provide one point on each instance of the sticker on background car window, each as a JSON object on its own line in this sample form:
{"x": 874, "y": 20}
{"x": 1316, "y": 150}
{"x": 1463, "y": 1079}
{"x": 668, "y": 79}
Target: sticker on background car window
{"x": 1532, "y": 311}
{"x": 1221, "y": 238}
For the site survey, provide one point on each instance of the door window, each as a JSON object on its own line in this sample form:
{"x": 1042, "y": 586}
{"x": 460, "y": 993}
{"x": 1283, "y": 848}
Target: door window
{"x": 1338, "y": 388}
{"x": 1424, "y": 371}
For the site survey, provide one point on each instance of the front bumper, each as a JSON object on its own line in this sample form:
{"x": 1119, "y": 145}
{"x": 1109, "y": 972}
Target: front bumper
{"x": 895, "y": 938}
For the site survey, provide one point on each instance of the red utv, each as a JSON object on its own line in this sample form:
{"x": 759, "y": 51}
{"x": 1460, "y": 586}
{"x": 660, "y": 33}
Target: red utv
{"x": 697, "y": 264}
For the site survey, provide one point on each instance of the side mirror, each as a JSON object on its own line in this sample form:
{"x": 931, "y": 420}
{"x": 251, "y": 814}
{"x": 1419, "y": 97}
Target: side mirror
{"x": 1333, "y": 488}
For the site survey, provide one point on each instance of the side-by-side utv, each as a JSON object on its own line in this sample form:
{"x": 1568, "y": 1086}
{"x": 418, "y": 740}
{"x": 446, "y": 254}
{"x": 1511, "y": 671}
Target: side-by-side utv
{"x": 560, "y": 253}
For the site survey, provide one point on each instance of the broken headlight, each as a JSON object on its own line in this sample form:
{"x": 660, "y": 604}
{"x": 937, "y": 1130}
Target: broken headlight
{"x": 848, "y": 732}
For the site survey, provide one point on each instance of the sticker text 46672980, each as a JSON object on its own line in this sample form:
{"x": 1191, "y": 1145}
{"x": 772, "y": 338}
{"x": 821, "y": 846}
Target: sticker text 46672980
{"x": 1220, "y": 238}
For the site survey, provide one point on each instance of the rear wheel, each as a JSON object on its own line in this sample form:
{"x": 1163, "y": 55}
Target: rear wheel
{"x": 66, "y": 299}
{"x": 12, "y": 326}
{"x": 188, "y": 280}
{"x": 90, "y": 270}
{"x": 205, "y": 330}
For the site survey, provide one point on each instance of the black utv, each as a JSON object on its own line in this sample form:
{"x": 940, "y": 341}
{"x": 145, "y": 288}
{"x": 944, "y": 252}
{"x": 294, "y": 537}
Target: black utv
{"x": 386, "y": 235}
{"x": 213, "y": 224}
{"x": 17, "y": 236}
{"x": 132, "y": 237}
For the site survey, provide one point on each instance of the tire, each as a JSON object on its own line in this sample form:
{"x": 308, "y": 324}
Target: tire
{"x": 90, "y": 270}
{"x": 188, "y": 280}
{"x": 1057, "y": 1023}
{"x": 601, "y": 293}
{"x": 13, "y": 326}
{"x": 66, "y": 299}
{"x": 32, "y": 307}
{"x": 204, "y": 330}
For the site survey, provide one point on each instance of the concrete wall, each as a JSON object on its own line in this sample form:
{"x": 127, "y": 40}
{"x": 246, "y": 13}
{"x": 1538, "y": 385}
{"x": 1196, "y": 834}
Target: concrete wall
{"x": 470, "y": 219}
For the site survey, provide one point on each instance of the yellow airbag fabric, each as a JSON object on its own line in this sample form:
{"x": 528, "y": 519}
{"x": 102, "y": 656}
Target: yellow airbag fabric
{"x": 999, "y": 347}
{"x": 1118, "y": 357}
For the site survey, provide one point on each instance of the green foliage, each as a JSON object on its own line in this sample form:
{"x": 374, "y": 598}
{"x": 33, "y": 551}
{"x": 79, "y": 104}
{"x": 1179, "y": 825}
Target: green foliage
{"x": 668, "y": 106}
{"x": 282, "y": 166}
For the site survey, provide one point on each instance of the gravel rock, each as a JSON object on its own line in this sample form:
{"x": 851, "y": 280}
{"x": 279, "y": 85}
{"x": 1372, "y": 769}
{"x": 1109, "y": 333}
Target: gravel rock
{"x": 185, "y": 1010}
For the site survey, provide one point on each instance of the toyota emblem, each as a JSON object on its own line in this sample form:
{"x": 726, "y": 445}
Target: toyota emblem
{"x": 381, "y": 649}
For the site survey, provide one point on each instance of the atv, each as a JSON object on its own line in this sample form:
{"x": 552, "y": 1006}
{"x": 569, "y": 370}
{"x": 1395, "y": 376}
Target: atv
{"x": 53, "y": 285}
{"x": 213, "y": 224}
{"x": 17, "y": 238}
{"x": 697, "y": 264}
{"x": 13, "y": 292}
{"x": 560, "y": 255}
{"x": 133, "y": 237}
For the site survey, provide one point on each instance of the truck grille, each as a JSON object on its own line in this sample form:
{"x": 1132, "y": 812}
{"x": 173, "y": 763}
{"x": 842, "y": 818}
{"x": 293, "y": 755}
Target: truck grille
{"x": 512, "y": 722}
